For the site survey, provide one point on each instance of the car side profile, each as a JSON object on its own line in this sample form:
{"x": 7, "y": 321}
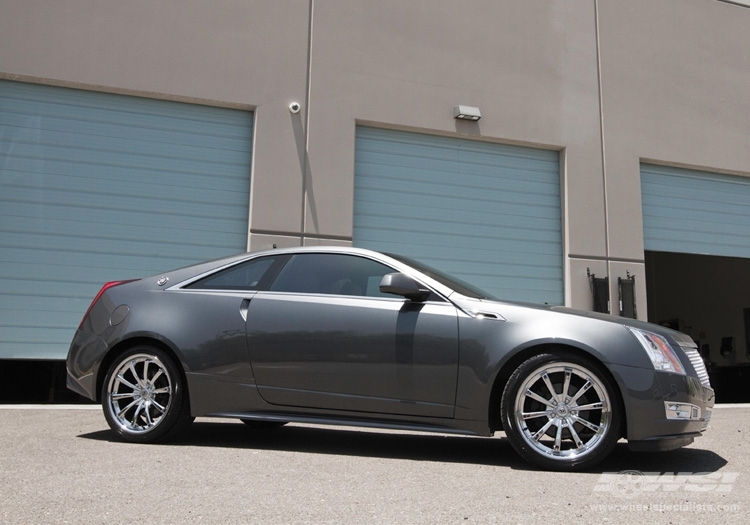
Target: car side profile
{"x": 356, "y": 337}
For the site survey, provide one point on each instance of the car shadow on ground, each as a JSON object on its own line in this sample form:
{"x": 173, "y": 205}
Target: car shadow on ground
{"x": 442, "y": 448}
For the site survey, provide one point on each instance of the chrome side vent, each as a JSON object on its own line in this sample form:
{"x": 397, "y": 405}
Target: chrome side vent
{"x": 488, "y": 315}
{"x": 700, "y": 367}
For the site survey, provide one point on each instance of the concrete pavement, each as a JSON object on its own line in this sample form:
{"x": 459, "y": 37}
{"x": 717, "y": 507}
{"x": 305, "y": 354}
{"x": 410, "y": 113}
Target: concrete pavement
{"x": 63, "y": 465}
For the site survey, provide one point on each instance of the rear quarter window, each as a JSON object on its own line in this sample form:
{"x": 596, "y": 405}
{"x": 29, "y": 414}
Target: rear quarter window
{"x": 255, "y": 274}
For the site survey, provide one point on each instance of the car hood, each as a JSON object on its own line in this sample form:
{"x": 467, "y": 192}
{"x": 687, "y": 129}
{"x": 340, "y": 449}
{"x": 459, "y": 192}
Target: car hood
{"x": 478, "y": 307}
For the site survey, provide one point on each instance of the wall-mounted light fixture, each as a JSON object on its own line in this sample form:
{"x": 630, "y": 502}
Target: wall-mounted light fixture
{"x": 467, "y": 113}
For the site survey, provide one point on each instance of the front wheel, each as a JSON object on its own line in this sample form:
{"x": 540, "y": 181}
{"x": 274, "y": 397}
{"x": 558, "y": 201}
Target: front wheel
{"x": 143, "y": 396}
{"x": 561, "y": 411}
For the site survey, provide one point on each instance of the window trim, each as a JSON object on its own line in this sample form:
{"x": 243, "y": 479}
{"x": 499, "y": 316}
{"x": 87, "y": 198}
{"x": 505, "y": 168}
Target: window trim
{"x": 436, "y": 297}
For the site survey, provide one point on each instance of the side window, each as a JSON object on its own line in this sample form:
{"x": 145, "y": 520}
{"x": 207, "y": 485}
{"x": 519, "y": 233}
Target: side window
{"x": 333, "y": 274}
{"x": 250, "y": 275}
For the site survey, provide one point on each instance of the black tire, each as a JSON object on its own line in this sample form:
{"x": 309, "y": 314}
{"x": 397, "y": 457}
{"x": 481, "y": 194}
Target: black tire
{"x": 557, "y": 430}
{"x": 144, "y": 398}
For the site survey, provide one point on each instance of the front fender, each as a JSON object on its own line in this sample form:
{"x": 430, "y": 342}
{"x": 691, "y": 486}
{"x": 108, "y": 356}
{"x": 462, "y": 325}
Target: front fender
{"x": 490, "y": 349}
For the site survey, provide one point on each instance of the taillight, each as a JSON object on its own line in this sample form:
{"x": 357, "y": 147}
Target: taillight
{"x": 106, "y": 287}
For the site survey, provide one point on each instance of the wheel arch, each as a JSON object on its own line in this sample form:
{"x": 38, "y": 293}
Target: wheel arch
{"x": 123, "y": 346}
{"x": 506, "y": 370}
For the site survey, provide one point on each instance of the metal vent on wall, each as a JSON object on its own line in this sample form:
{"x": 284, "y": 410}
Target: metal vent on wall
{"x": 600, "y": 291}
{"x": 626, "y": 287}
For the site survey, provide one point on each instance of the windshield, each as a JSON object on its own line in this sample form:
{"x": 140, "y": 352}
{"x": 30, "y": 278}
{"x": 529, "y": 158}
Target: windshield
{"x": 462, "y": 287}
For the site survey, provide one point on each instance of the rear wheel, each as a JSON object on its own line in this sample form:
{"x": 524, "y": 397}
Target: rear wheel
{"x": 144, "y": 398}
{"x": 561, "y": 411}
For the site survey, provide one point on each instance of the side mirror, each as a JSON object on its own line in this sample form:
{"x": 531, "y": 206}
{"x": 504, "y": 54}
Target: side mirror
{"x": 405, "y": 286}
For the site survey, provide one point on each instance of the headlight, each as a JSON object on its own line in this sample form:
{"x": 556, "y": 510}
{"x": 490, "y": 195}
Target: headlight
{"x": 659, "y": 351}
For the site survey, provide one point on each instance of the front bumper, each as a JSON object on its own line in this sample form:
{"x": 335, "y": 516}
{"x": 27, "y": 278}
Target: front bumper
{"x": 663, "y": 410}
{"x": 662, "y": 443}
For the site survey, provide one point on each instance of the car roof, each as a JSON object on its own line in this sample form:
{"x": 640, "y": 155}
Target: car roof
{"x": 319, "y": 249}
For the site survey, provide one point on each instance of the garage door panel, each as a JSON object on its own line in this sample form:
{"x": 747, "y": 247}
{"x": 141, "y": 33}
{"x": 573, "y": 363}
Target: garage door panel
{"x": 707, "y": 244}
{"x": 432, "y": 244}
{"x": 23, "y": 278}
{"x": 455, "y": 209}
{"x": 185, "y": 226}
{"x": 44, "y": 305}
{"x": 429, "y": 148}
{"x": 151, "y": 155}
{"x": 433, "y": 148}
{"x": 483, "y": 178}
{"x": 98, "y": 160}
{"x": 183, "y": 201}
{"x": 35, "y": 342}
{"x": 80, "y": 129}
{"x": 192, "y": 251}
{"x": 18, "y": 291}
{"x": 448, "y": 195}
{"x": 100, "y": 267}
{"x": 484, "y": 175}
{"x": 486, "y": 212}
{"x": 401, "y": 161}
{"x": 19, "y": 323}
{"x": 59, "y": 140}
{"x": 713, "y": 206}
{"x": 535, "y": 274}
{"x": 687, "y": 188}
{"x": 19, "y": 186}
{"x": 687, "y": 183}
{"x": 533, "y": 166}
{"x": 51, "y": 101}
{"x": 56, "y": 223}
{"x": 185, "y": 216}
{"x": 97, "y": 187}
{"x": 689, "y": 211}
{"x": 707, "y": 225}
{"x": 530, "y": 239}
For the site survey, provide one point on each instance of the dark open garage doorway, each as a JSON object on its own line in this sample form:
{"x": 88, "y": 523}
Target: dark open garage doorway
{"x": 708, "y": 298}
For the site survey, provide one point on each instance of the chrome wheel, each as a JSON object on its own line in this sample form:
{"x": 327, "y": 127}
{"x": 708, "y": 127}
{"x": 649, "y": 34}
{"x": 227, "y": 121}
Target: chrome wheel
{"x": 143, "y": 396}
{"x": 139, "y": 393}
{"x": 560, "y": 413}
{"x": 562, "y": 410}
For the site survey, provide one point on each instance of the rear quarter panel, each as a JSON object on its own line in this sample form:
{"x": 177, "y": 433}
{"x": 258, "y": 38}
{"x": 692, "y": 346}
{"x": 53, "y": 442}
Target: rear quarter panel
{"x": 204, "y": 330}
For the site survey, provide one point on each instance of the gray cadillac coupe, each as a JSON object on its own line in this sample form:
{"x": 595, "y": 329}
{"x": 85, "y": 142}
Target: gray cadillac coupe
{"x": 355, "y": 337}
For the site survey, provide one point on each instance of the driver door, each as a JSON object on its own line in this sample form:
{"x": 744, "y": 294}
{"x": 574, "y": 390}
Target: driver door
{"x": 324, "y": 336}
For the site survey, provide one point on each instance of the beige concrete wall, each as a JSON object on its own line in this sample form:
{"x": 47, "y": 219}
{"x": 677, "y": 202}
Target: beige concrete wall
{"x": 673, "y": 78}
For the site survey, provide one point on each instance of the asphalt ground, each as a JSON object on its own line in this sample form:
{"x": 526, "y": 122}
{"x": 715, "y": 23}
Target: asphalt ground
{"x": 61, "y": 464}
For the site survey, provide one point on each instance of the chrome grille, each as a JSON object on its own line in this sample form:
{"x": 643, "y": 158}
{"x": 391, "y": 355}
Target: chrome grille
{"x": 700, "y": 367}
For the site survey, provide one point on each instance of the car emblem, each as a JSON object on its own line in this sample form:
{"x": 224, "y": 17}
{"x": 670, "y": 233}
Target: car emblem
{"x": 162, "y": 280}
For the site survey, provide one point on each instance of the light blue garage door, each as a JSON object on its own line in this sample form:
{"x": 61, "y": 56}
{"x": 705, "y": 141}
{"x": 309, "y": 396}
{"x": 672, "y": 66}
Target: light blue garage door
{"x": 97, "y": 187}
{"x": 487, "y": 213}
{"x": 697, "y": 212}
